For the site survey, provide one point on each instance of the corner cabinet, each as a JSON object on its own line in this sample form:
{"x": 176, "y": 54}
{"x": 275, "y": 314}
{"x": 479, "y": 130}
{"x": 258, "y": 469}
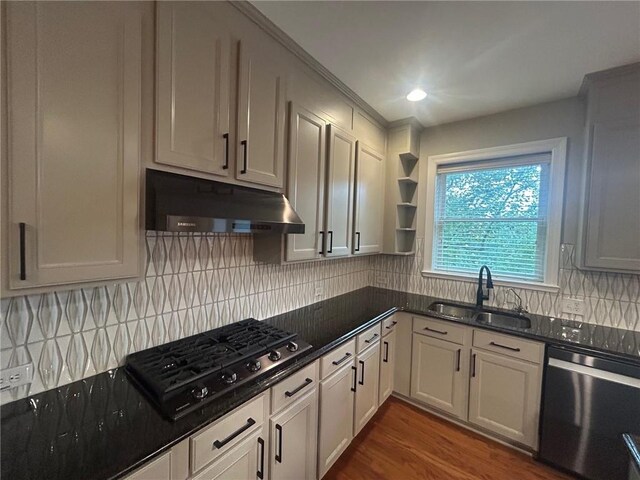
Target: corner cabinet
{"x": 369, "y": 201}
{"x": 610, "y": 231}
{"x": 75, "y": 107}
{"x": 387, "y": 365}
{"x": 367, "y": 384}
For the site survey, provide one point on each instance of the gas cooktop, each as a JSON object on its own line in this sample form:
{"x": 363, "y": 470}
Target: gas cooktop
{"x": 181, "y": 376}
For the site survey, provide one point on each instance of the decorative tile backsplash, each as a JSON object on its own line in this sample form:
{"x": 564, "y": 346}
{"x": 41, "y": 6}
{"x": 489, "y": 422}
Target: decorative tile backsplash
{"x": 193, "y": 283}
{"x": 610, "y": 299}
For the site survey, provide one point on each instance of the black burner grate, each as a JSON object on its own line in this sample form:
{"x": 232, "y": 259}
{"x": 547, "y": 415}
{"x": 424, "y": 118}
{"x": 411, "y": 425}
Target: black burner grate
{"x": 169, "y": 367}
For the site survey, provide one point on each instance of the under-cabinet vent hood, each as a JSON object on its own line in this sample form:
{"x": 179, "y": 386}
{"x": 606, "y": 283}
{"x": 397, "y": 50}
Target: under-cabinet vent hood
{"x": 179, "y": 203}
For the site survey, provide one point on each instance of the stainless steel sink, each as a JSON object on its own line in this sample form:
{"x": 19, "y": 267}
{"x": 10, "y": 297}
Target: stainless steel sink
{"x": 451, "y": 310}
{"x": 504, "y": 320}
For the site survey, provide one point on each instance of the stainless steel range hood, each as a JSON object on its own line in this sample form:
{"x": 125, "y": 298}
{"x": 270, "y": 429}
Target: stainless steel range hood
{"x": 178, "y": 203}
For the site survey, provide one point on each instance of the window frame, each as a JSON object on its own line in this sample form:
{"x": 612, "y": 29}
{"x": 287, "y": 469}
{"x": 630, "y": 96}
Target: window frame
{"x": 557, "y": 147}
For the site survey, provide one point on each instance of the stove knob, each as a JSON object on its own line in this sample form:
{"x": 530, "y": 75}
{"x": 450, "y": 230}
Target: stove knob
{"x": 274, "y": 355}
{"x": 292, "y": 347}
{"x": 229, "y": 377}
{"x": 199, "y": 392}
{"x": 254, "y": 365}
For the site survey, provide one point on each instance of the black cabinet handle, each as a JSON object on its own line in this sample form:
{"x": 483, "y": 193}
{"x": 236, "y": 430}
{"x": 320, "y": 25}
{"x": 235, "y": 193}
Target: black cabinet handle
{"x": 441, "y": 332}
{"x": 343, "y": 359}
{"x": 279, "y": 452}
{"x": 250, "y": 423}
{"x": 385, "y": 359}
{"x": 513, "y": 349}
{"x": 260, "y": 472}
{"x": 321, "y": 243}
{"x": 290, "y": 394}
{"x": 361, "y": 382}
{"x": 23, "y": 255}
{"x": 244, "y": 157}
{"x": 226, "y": 151}
{"x": 330, "y": 242}
{"x": 473, "y": 365}
{"x": 375, "y": 335}
{"x": 355, "y": 376}
{"x": 458, "y": 353}
{"x": 357, "y": 249}
{"x": 393, "y": 324}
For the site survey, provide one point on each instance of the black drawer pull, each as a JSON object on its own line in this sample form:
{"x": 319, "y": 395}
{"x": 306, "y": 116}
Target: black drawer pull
{"x": 279, "y": 452}
{"x": 361, "y": 382}
{"x": 226, "y": 151}
{"x": 458, "y": 353}
{"x": 321, "y": 243}
{"x": 385, "y": 359}
{"x": 473, "y": 365}
{"x": 330, "y": 242}
{"x": 375, "y": 335}
{"x": 250, "y": 423}
{"x": 393, "y": 324}
{"x": 513, "y": 349}
{"x": 23, "y": 256}
{"x": 342, "y": 360}
{"x": 441, "y": 332}
{"x": 260, "y": 472}
{"x": 244, "y": 157}
{"x": 290, "y": 394}
{"x": 355, "y": 376}
{"x": 357, "y": 249}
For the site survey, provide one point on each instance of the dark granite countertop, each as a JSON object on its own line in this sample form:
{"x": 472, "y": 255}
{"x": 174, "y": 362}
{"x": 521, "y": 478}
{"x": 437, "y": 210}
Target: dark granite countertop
{"x": 102, "y": 427}
{"x": 633, "y": 445}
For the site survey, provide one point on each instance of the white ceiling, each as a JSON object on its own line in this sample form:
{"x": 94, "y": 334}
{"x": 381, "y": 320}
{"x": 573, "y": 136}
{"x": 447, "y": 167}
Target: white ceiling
{"x": 473, "y": 58}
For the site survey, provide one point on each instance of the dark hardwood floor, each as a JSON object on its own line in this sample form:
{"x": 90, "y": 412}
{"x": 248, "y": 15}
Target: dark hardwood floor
{"x": 404, "y": 442}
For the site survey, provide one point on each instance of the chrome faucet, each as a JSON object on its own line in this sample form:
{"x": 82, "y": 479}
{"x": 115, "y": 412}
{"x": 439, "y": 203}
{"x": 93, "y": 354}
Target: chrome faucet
{"x": 481, "y": 296}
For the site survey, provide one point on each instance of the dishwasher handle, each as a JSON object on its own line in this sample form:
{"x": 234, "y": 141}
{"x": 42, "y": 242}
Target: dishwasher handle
{"x": 594, "y": 361}
{"x": 595, "y": 373}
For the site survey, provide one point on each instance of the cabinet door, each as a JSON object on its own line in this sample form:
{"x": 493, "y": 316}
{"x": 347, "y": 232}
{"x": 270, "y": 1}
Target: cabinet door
{"x": 612, "y": 218}
{"x": 368, "y": 371}
{"x": 157, "y": 469}
{"x": 294, "y": 439}
{"x": 336, "y": 416}
{"x": 505, "y": 396}
{"x": 306, "y": 182}
{"x": 369, "y": 198}
{"x": 437, "y": 374}
{"x": 387, "y": 366}
{"x": 340, "y": 184}
{"x": 261, "y": 113}
{"x": 244, "y": 461}
{"x": 193, "y": 81}
{"x": 74, "y": 106}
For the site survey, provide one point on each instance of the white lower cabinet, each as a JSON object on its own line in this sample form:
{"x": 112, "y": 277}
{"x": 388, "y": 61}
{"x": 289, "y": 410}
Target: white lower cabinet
{"x": 367, "y": 383}
{"x": 244, "y": 461}
{"x": 170, "y": 465}
{"x": 337, "y": 394}
{"x": 387, "y": 365}
{"x": 294, "y": 434}
{"x": 505, "y": 396}
{"x": 439, "y": 374}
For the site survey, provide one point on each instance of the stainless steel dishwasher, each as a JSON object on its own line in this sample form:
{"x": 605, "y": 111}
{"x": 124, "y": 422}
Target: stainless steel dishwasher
{"x": 589, "y": 401}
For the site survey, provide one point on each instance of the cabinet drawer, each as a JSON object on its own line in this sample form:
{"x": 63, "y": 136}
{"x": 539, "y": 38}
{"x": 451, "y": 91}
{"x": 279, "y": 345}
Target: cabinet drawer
{"x": 389, "y": 325}
{"x": 294, "y": 387}
{"x": 332, "y": 361}
{"x": 437, "y": 329}
{"x": 367, "y": 338}
{"x": 220, "y": 437}
{"x": 508, "y": 345}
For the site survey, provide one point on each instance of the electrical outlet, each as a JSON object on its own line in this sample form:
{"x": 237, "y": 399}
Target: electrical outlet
{"x": 574, "y": 306}
{"x": 319, "y": 291}
{"x": 382, "y": 279}
{"x": 16, "y": 376}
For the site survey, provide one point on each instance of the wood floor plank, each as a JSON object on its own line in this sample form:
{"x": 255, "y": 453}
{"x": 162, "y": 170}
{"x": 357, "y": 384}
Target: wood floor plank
{"x": 404, "y": 442}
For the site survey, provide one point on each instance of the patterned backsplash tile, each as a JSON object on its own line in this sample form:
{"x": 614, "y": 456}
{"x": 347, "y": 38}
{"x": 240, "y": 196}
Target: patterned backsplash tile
{"x": 610, "y": 299}
{"x": 193, "y": 283}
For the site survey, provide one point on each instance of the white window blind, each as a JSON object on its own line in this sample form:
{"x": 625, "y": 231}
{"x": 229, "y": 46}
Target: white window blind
{"x": 495, "y": 213}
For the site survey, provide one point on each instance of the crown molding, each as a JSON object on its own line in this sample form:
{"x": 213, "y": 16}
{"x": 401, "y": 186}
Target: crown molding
{"x": 286, "y": 41}
{"x": 413, "y": 121}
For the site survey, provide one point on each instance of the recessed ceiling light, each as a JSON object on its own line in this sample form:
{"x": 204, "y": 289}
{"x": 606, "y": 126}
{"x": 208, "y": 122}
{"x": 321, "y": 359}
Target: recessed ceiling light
{"x": 416, "y": 95}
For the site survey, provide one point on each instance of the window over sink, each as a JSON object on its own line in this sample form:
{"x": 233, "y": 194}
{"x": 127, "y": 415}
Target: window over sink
{"x": 500, "y": 207}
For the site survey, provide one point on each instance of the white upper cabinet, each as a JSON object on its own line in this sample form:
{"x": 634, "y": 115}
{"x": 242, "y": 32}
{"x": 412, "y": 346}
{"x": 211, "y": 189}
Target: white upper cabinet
{"x": 262, "y": 97}
{"x": 369, "y": 201}
{"x": 306, "y": 182}
{"x": 340, "y": 185}
{"x": 193, "y": 87}
{"x": 75, "y": 110}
